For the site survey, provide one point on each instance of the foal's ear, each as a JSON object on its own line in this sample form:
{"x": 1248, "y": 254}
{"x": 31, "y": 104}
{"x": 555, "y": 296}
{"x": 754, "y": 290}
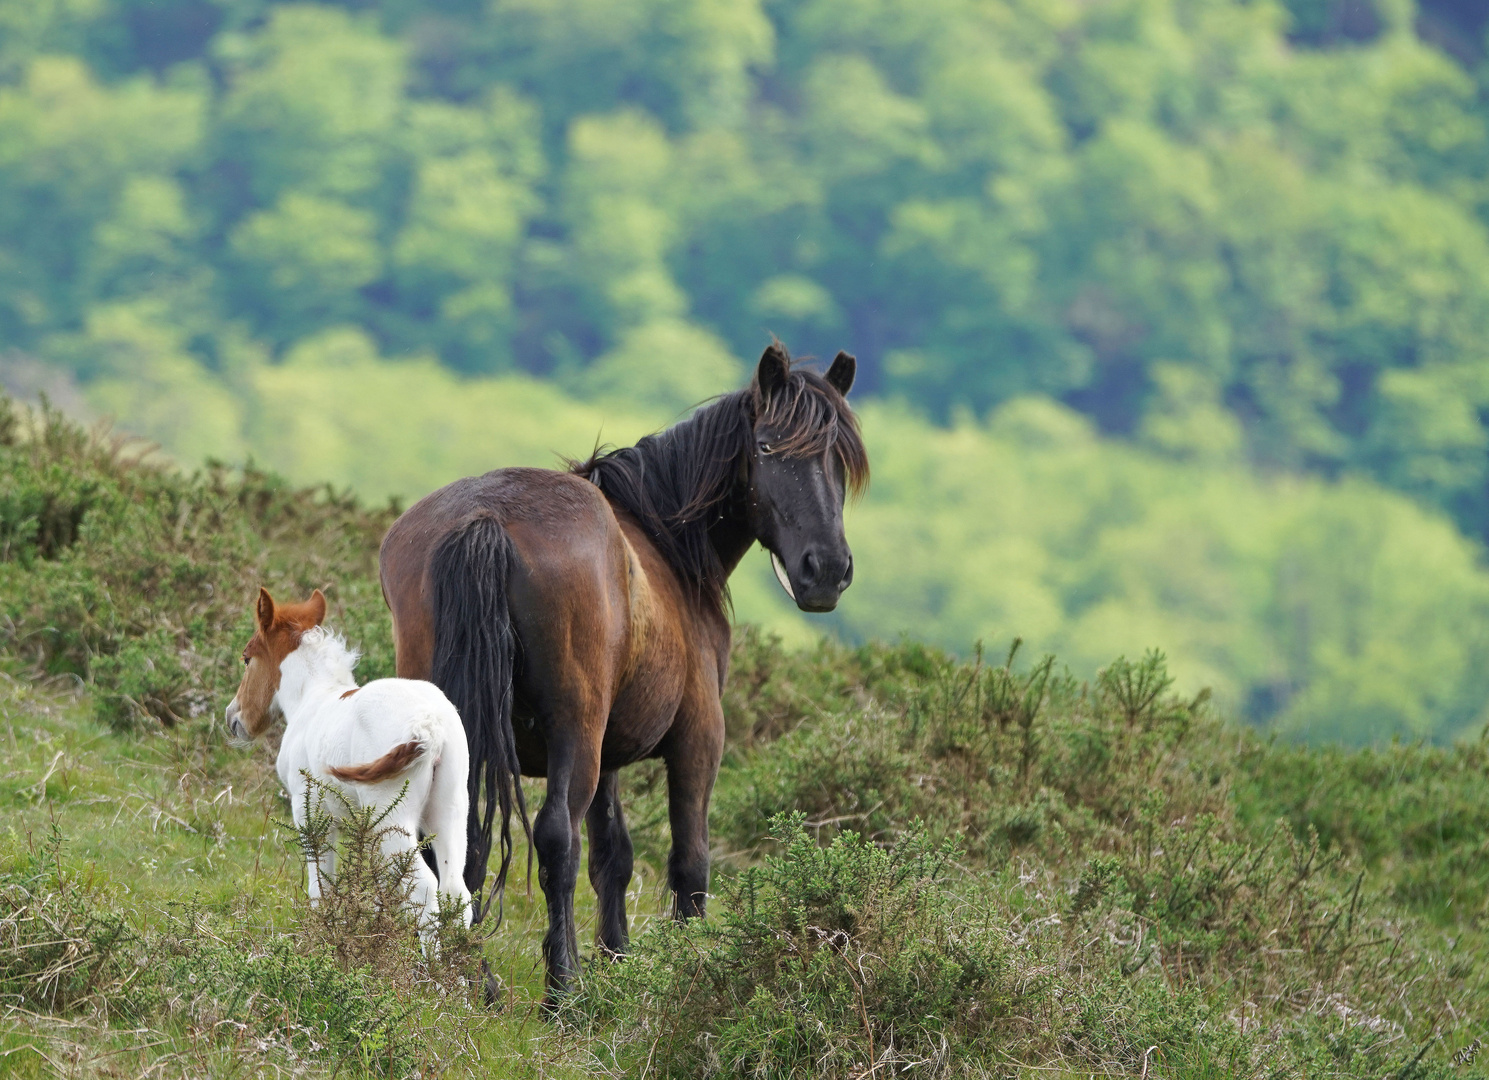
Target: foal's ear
{"x": 840, "y": 375}
{"x": 774, "y": 366}
{"x": 265, "y": 610}
{"x": 317, "y": 606}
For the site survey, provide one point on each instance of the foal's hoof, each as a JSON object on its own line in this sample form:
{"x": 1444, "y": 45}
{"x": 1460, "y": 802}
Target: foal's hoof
{"x": 493, "y": 990}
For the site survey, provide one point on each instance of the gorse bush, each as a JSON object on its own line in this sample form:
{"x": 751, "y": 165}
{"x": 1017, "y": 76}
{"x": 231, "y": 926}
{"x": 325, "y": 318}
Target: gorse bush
{"x": 139, "y": 579}
{"x": 820, "y": 961}
{"x": 1120, "y": 892}
{"x": 1204, "y": 957}
{"x": 362, "y": 918}
{"x": 999, "y": 757}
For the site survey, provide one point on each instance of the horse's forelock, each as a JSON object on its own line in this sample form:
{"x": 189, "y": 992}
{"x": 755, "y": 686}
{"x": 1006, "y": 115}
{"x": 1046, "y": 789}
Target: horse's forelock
{"x": 811, "y": 419}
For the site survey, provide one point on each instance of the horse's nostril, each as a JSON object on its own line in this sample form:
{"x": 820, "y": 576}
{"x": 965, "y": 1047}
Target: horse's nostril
{"x": 809, "y": 568}
{"x": 847, "y": 575}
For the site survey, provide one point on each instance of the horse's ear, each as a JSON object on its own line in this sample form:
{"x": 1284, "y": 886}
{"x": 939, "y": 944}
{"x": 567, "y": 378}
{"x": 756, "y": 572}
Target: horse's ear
{"x": 317, "y": 604}
{"x": 265, "y": 610}
{"x": 774, "y": 366}
{"x": 840, "y": 375}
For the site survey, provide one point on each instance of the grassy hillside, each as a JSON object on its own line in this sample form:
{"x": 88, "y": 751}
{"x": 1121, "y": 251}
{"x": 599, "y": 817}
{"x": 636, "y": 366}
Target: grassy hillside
{"x": 934, "y": 866}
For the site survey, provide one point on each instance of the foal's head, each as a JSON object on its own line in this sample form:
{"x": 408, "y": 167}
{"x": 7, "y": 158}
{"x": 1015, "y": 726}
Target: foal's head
{"x": 277, "y": 635}
{"x": 807, "y": 455}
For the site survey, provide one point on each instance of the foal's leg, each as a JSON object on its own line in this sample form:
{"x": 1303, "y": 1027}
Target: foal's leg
{"x": 400, "y": 835}
{"x": 693, "y": 753}
{"x": 610, "y": 864}
{"x": 445, "y": 816}
{"x": 573, "y": 774}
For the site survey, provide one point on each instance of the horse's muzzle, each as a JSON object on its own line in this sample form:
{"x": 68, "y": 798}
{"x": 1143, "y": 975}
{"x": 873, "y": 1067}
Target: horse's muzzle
{"x": 819, "y": 580}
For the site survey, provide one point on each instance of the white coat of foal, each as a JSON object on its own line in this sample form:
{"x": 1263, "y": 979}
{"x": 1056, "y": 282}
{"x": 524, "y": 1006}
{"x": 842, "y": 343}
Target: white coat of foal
{"x": 367, "y": 742}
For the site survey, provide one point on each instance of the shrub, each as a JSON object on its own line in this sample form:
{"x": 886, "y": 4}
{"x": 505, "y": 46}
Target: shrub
{"x": 139, "y": 578}
{"x": 851, "y": 959}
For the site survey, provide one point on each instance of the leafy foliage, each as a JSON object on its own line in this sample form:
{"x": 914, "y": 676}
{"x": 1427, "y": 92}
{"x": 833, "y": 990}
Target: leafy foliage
{"x": 1248, "y": 238}
{"x": 1275, "y": 210}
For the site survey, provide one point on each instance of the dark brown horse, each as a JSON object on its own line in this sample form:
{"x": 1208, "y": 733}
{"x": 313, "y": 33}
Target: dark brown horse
{"x": 577, "y": 620}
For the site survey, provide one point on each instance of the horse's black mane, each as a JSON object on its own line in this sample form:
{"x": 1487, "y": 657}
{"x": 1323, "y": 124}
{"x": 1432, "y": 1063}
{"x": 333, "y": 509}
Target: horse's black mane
{"x": 677, "y": 482}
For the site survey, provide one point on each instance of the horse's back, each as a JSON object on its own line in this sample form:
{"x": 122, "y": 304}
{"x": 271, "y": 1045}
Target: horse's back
{"x": 566, "y": 538}
{"x": 403, "y": 710}
{"x": 604, "y": 624}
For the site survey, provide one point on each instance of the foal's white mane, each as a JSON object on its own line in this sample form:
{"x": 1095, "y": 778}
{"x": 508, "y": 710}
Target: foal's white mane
{"x": 326, "y": 653}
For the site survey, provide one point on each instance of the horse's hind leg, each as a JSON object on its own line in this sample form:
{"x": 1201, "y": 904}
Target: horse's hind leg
{"x": 402, "y": 837}
{"x": 573, "y": 774}
{"x": 445, "y": 816}
{"x": 610, "y": 864}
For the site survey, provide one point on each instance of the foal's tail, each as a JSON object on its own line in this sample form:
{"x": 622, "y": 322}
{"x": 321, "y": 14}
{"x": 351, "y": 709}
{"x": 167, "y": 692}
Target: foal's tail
{"x": 474, "y": 655}
{"x": 395, "y": 762}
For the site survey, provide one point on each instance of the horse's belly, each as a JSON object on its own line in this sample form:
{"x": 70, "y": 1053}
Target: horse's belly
{"x": 630, "y": 738}
{"x": 621, "y": 745}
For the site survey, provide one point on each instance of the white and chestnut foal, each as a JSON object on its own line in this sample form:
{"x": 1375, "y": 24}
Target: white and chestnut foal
{"x": 367, "y": 742}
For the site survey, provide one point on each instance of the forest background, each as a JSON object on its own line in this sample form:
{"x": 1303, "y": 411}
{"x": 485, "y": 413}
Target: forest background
{"x": 1172, "y": 315}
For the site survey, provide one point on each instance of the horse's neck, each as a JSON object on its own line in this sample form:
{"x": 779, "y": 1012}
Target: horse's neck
{"x": 731, "y": 535}
{"x": 308, "y": 675}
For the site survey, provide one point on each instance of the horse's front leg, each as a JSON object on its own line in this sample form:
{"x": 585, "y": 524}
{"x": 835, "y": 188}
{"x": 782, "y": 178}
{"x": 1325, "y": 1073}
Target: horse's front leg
{"x": 573, "y": 774}
{"x": 610, "y": 864}
{"x": 693, "y": 751}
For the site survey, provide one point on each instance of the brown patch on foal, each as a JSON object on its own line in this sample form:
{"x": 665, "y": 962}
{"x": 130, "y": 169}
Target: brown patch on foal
{"x": 395, "y": 761}
{"x": 277, "y": 635}
{"x": 350, "y": 692}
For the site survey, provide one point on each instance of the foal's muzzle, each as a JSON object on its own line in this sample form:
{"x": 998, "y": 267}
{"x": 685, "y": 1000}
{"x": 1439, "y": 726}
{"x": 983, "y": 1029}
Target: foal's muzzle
{"x": 236, "y": 731}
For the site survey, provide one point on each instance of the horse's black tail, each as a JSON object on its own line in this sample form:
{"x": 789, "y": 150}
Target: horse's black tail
{"x": 474, "y": 658}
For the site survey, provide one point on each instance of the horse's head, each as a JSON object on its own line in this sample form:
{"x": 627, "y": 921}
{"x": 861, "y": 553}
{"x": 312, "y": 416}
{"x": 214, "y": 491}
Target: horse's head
{"x": 807, "y": 456}
{"x": 277, "y": 634}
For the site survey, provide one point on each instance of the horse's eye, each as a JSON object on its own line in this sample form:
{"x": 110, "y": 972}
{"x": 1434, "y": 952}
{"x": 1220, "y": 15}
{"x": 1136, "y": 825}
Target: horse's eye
{"x": 245, "y": 661}
{"x": 764, "y": 447}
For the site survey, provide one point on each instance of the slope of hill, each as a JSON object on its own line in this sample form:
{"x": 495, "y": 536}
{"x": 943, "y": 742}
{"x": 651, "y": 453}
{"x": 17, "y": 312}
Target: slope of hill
{"x": 1131, "y": 886}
